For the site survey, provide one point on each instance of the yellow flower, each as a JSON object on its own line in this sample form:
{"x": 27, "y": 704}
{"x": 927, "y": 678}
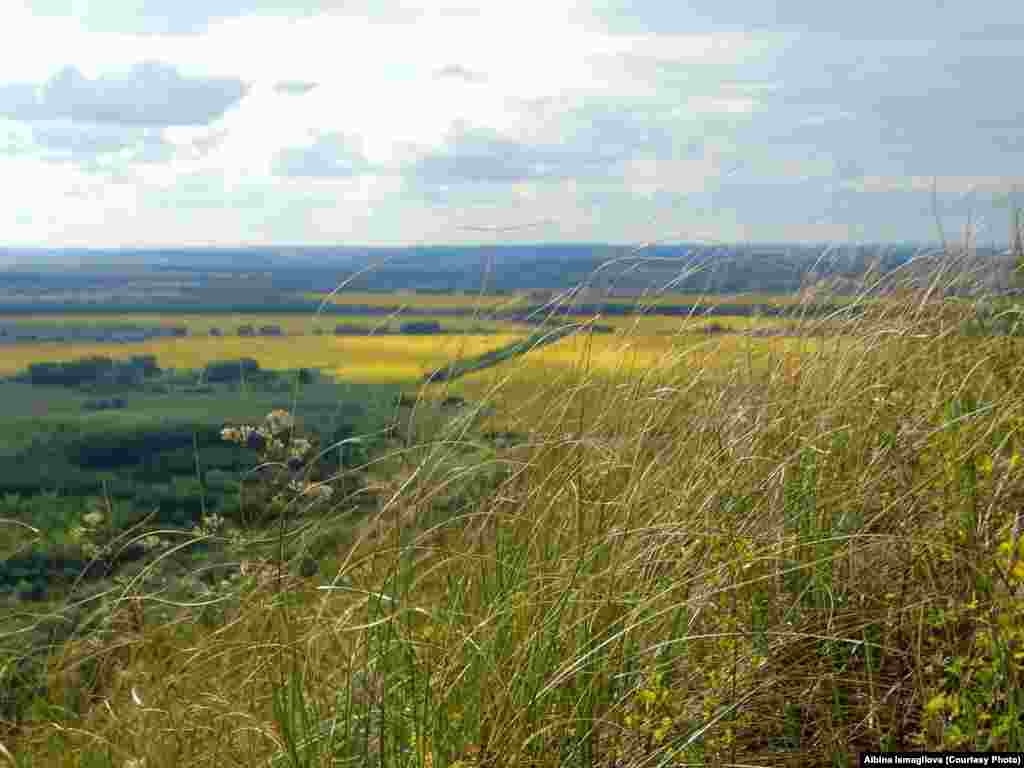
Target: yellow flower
{"x": 985, "y": 465}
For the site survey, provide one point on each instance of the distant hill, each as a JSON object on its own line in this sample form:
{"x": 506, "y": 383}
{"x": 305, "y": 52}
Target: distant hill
{"x": 267, "y": 274}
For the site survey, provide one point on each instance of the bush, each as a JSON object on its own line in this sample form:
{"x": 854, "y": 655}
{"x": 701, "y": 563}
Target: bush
{"x": 230, "y": 370}
{"x": 103, "y": 404}
{"x": 70, "y": 374}
{"x": 130, "y": 446}
{"x": 420, "y": 327}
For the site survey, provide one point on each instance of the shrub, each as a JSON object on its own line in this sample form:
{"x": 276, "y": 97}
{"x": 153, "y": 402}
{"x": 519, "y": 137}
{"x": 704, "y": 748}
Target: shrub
{"x": 230, "y": 370}
{"x": 420, "y": 327}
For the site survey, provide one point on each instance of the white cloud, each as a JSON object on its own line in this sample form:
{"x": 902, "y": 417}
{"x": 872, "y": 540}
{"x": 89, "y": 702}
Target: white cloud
{"x": 150, "y": 93}
{"x": 393, "y": 122}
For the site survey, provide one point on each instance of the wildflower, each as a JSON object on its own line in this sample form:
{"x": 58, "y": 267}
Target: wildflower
{"x": 300, "y": 447}
{"x": 212, "y": 522}
{"x": 254, "y": 439}
{"x": 279, "y": 420}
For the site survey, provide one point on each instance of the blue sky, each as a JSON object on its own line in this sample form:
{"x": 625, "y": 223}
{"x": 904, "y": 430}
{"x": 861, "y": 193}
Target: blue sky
{"x": 225, "y": 122}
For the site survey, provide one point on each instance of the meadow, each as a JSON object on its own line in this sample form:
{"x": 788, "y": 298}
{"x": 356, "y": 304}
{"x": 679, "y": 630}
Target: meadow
{"x": 706, "y": 549}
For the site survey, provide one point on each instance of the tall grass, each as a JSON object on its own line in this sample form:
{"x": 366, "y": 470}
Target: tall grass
{"x": 685, "y": 563}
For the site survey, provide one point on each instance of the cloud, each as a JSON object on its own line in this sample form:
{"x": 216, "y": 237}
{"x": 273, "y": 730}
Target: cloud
{"x": 604, "y": 114}
{"x": 294, "y": 87}
{"x": 90, "y": 148}
{"x": 331, "y": 156}
{"x": 150, "y": 94}
{"x": 458, "y": 72}
{"x": 480, "y": 155}
{"x": 62, "y": 139}
{"x": 585, "y": 141}
{"x": 191, "y": 17}
{"x": 868, "y": 19}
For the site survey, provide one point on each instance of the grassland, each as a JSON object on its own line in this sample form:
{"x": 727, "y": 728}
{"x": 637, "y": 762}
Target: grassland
{"x": 713, "y": 549}
{"x": 519, "y": 390}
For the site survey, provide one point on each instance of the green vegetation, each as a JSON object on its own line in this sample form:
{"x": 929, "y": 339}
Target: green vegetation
{"x": 152, "y": 452}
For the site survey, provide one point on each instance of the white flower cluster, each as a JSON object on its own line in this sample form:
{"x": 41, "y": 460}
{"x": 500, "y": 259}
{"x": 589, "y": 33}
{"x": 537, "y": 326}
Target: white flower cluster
{"x": 279, "y": 421}
{"x": 270, "y": 437}
{"x": 245, "y": 434}
{"x": 83, "y": 534}
{"x": 299, "y": 447}
{"x": 209, "y": 525}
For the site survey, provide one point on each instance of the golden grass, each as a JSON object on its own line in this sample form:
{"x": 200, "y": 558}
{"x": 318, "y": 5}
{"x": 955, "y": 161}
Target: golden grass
{"x": 518, "y": 389}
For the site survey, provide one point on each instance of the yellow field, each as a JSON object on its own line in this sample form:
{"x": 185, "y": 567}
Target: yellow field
{"x": 352, "y": 358}
{"x": 520, "y": 389}
{"x": 291, "y": 324}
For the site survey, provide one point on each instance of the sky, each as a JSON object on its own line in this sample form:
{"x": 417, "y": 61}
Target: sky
{"x": 153, "y": 123}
